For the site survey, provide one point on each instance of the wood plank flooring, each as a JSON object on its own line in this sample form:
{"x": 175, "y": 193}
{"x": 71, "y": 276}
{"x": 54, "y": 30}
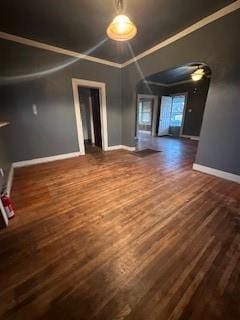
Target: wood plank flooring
{"x": 114, "y": 236}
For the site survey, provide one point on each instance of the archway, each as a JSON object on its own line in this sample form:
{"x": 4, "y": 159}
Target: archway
{"x": 180, "y": 106}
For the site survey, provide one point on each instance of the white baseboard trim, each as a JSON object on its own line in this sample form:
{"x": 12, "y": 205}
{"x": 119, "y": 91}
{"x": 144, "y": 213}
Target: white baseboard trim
{"x": 10, "y": 180}
{"x": 190, "y": 137}
{"x": 217, "y": 173}
{"x": 112, "y": 148}
{"x": 195, "y": 138}
{"x": 118, "y": 147}
{"x": 27, "y": 163}
{"x": 46, "y": 159}
{"x": 129, "y": 148}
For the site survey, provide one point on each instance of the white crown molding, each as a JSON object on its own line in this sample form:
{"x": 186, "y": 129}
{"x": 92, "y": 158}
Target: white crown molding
{"x": 27, "y": 163}
{"x": 160, "y": 84}
{"x": 179, "y": 82}
{"x": 196, "y": 26}
{"x": 217, "y": 173}
{"x": 3, "y": 124}
{"x": 44, "y": 46}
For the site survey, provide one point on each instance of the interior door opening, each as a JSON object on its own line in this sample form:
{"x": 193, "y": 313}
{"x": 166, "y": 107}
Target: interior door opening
{"x": 146, "y": 115}
{"x": 91, "y": 118}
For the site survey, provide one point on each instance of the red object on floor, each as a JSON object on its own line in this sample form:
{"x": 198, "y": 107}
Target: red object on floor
{"x": 7, "y": 204}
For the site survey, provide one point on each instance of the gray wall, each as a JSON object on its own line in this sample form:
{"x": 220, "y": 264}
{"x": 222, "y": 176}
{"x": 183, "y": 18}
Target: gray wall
{"x": 143, "y": 88}
{"x": 39, "y": 77}
{"x": 217, "y": 44}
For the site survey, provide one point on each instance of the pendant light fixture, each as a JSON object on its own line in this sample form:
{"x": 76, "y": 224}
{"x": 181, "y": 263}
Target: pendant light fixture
{"x": 198, "y": 74}
{"x": 121, "y": 28}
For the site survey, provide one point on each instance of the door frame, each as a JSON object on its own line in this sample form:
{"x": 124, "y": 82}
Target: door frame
{"x": 103, "y": 110}
{"x": 3, "y": 213}
{"x": 154, "y": 111}
{"x": 184, "y": 109}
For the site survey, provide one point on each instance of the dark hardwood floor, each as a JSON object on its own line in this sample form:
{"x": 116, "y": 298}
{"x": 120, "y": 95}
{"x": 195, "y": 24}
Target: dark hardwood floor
{"x": 115, "y": 236}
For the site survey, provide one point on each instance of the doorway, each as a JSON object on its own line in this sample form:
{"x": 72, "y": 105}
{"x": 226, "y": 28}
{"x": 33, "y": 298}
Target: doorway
{"x": 180, "y": 109}
{"x": 172, "y": 111}
{"x": 91, "y": 119}
{"x": 146, "y": 121}
{"x": 91, "y": 114}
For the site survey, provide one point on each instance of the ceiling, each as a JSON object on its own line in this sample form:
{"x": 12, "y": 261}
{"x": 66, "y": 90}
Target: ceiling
{"x": 175, "y": 75}
{"x": 80, "y": 25}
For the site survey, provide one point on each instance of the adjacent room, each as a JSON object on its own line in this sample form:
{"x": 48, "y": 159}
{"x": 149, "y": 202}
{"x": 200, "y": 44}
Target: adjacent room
{"x": 120, "y": 160}
{"x": 171, "y": 103}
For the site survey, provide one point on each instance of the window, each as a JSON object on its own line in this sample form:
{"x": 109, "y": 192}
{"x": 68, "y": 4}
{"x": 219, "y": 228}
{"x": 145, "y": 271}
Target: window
{"x": 145, "y": 112}
{"x": 178, "y": 103}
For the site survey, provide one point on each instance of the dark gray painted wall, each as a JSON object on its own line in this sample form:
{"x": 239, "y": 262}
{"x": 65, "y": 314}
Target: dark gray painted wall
{"x": 53, "y": 131}
{"x": 143, "y": 88}
{"x": 217, "y": 44}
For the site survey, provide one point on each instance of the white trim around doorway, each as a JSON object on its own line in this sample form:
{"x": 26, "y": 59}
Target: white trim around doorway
{"x": 103, "y": 111}
{"x": 155, "y": 110}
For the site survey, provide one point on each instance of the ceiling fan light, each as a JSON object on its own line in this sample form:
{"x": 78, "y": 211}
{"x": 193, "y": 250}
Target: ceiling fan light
{"x": 196, "y": 77}
{"x": 121, "y": 29}
{"x": 198, "y": 74}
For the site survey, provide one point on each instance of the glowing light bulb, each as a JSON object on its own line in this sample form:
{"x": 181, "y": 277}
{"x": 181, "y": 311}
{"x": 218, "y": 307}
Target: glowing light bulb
{"x": 198, "y": 74}
{"x": 121, "y": 29}
{"x": 196, "y": 77}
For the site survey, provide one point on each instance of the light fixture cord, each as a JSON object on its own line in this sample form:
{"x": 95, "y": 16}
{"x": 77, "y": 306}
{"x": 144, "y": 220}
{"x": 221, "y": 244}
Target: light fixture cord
{"x": 119, "y": 5}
